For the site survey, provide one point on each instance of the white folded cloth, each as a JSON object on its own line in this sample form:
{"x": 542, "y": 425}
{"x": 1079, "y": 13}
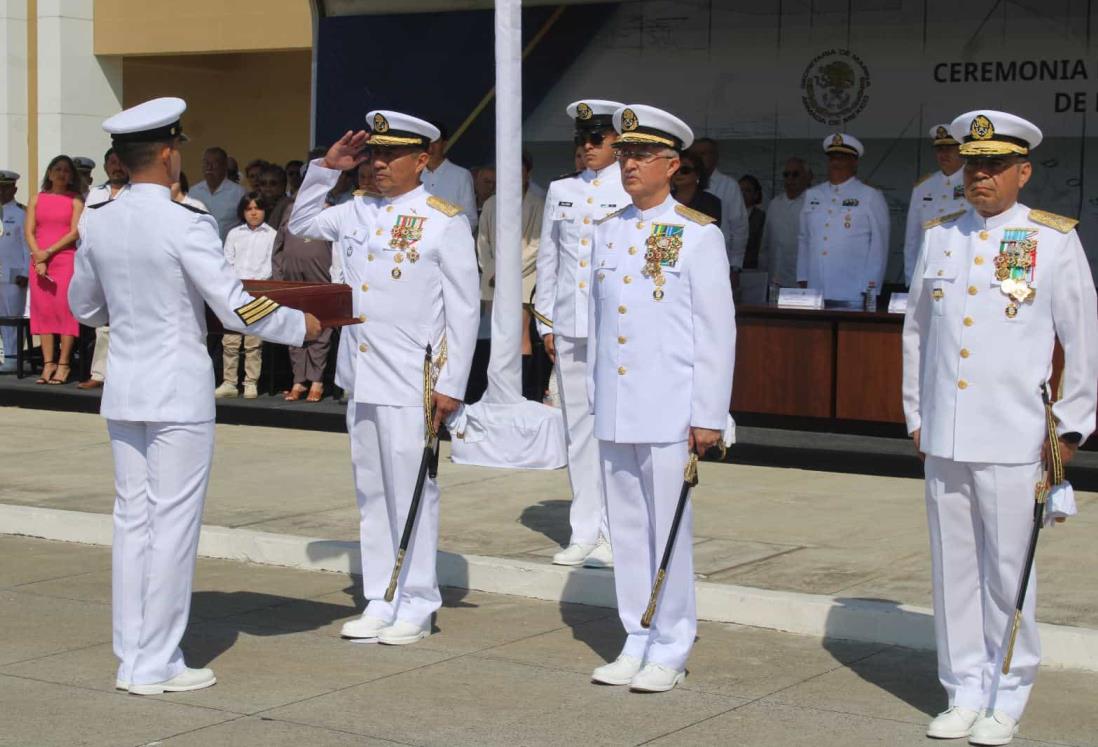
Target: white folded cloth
{"x": 1061, "y": 504}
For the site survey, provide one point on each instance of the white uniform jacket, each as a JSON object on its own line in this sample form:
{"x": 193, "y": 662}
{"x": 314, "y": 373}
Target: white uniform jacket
{"x": 572, "y": 207}
{"x": 148, "y": 266}
{"x": 14, "y": 254}
{"x": 843, "y": 240}
{"x": 972, "y": 372}
{"x": 934, "y": 196}
{"x": 404, "y": 305}
{"x": 660, "y": 365}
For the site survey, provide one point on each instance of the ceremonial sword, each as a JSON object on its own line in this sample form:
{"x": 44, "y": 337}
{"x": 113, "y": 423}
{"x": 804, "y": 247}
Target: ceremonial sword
{"x": 689, "y": 480}
{"x": 428, "y": 465}
{"x": 1054, "y": 475}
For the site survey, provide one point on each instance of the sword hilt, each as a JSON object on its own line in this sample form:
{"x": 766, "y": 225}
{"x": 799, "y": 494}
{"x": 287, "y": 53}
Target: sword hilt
{"x": 391, "y": 591}
{"x": 650, "y": 611}
{"x": 1017, "y": 623}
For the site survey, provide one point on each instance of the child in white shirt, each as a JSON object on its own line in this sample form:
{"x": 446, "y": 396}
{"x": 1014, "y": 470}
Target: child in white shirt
{"x": 248, "y": 249}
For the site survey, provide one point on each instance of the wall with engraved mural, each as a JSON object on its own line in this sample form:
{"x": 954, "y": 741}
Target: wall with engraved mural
{"x": 770, "y": 78}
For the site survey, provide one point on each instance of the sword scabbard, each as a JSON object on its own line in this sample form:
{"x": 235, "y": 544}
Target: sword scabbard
{"x": 653, "y": 599}
{"x": 1017, "y": 623}
{"x": 391, "y": 591}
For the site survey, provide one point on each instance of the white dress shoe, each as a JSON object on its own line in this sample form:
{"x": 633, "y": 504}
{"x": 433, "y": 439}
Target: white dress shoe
{"x": 993, "y": 728}
{"x": 618, "y": 672}
{"x": 363, "y": 627}
{"x": 655, "y": 678}
{"x": 188, "y": 679}
{"x": 953, "y": 723}
{"x": 601, "y": 557}
{"x": 401, "y": 633}
{"x": 251, "y": 391}
{"x": 121, "y": 685}
{"x": 226, "y": 391}
{"x": 574, "y": 554}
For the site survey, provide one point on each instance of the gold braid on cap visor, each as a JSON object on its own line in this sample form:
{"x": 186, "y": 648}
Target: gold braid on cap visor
{"x": 393, "y": 140}
{"x": 645, "y": 137}
{"x": 993, "y": 148}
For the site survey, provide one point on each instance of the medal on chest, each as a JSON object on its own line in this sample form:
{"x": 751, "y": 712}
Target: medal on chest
{"x": 662, "y": 249}
{"x": 1015, "y": 265}
{"x": 405, "y": 233}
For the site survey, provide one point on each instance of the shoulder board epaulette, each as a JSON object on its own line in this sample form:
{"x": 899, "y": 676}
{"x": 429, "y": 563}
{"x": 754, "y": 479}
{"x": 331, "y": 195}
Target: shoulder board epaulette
{"x": 443, "y": 206}
{"x": 572, "y": 175}
{"x": 256, "y": 309}
{"x": 21, "y": 205}
{"x": 614, "y": 214}
{"x": 948, "y": 218}
{"x": 365, "y": 193}
{"x": 1061, "y": 223}
{"x": 923, "y": 178}
{"x": 192, "y": 208}
{"x": 98, "y": 205}
{"x": 695, "y": 215}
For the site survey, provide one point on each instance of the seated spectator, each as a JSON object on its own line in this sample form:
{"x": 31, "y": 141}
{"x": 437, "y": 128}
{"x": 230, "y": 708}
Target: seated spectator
{"x": 294, "y": 171}
{"x": 248, "y": 249}
{"x": 272, "y": 185}
{"x": 688, "y": 186}
{"x": 756, "y": 219}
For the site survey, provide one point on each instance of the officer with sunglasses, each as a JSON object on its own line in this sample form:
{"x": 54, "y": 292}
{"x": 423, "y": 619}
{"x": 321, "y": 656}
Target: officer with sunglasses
{"x": 573, "y": 205}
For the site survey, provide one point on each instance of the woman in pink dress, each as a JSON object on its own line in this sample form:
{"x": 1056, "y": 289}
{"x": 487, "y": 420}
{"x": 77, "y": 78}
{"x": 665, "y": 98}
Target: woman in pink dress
{"x": 51, "y": 233}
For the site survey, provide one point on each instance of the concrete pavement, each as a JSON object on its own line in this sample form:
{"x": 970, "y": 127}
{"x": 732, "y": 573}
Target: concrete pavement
{"x": 499, "y": 671}
{"x": 848, "y": 535}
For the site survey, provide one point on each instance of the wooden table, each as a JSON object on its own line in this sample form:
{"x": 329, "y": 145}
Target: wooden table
{"x": 832, "y": 365}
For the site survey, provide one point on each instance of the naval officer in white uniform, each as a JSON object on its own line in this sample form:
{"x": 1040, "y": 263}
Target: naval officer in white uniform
{"x": 662, "y": 338}
{"x": 149, "y": 266}
{"x": 14, "y": 261}
{"x": 936, "y": 194}
{"x": 409, "y": 258}
{"x": 573, "y": 205}
{"x": 993, "y": 288}
{"x": 842, "y": 248}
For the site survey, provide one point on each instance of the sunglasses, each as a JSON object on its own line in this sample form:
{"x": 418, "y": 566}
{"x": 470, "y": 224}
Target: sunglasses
{"x": 791, "y": 174}
{"x": 595, "y": 138}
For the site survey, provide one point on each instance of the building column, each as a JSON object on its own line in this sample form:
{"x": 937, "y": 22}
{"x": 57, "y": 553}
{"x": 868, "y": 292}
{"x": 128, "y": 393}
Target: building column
{"x": 13, "y": 90}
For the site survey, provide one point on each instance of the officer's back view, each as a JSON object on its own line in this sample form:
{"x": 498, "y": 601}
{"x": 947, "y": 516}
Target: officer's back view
{"x": 148, "y": 265}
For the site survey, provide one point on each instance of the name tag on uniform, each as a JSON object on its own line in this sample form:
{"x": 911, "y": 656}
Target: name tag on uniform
{"x": 564, "y": 204}
{"x": 897, "y": 303}
{"x": 800, "y": 298}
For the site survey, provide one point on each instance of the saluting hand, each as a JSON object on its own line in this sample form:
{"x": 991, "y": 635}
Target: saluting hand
{"x": 312, "y": 327}
{"x": 443, "y": 407}
{"x": 346, "y": 153}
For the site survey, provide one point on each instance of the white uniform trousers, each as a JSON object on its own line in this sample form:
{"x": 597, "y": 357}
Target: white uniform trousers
{"x": 980, "y": 518}
{"x": 386, "y": 450}
{"x": 643, "y": 482}
{"x": 588, "y": 513}
{"x": 99, "y": 354}
{"x": 13, "y": 300}
{"x": 160, "y": 472}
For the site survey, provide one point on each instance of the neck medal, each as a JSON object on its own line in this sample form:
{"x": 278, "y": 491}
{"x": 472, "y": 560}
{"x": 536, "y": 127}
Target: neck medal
{"x": 1015, "y": 266}
{"x": 405, "y": 233}
{"x": 661, "y": 250}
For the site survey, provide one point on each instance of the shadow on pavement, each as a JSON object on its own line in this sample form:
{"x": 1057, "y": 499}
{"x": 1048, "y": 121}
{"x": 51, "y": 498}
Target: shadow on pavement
{"x": 550, "y": 518}
{"x": 905, "y": 673}
{"x": 604, "y": 635}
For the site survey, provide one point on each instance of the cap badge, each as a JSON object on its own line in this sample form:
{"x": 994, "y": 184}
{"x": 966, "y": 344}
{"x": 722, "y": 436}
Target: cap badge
{"x": 583, "y": 111}
{"x": 941, "y": 133}
{"x": 981, "y": 128}
{"x": 629, "y": 120}
{"x": 380, "y": 123}
{"x": 836, "y": 139}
